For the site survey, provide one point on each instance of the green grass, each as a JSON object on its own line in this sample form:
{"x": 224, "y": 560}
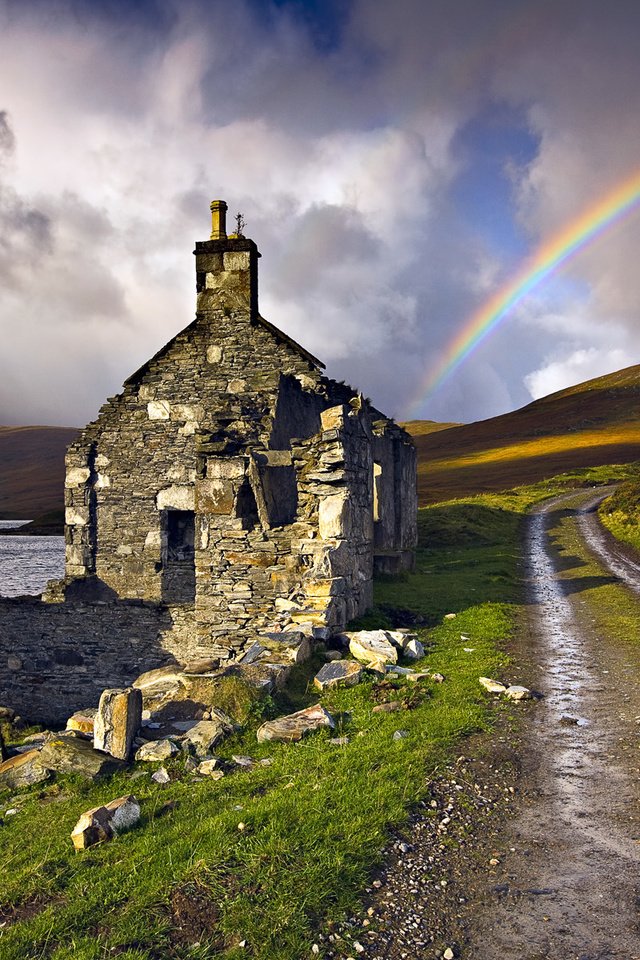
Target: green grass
{"x": 316, "y": 820}
{"x": 620, "y": 513}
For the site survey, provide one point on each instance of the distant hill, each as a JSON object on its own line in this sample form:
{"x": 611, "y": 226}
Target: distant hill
{"x": 32, "y": 470}
{"x": 593, "y": 423}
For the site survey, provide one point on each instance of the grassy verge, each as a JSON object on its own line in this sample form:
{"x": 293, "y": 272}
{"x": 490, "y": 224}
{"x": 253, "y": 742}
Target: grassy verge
{"x": 187, "y": 881}
{"x": 606, "y": 605}
{"x": 620, "y": 513}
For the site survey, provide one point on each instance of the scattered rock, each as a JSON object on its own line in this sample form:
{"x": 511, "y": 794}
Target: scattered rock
{"x": 449, "y": 616}
{"x": 82, "y": 721}
{"x": 423, "y": 675}
{"x": 72, "y": 754}
{"x": 117, "y": 721}
{"x": 516, "y": 692}
{"x": 241, "y": 761}
{"x": 210, "y": 768}
{"x": 200, "y": 667}
{"x": 331, "y": 655}
{"x": 344, "y": 673}
{"x": 437, "y": 677}
{"x": 206, "y": 734}
{"x": 157, "y": 750}
{"x": 391, "y": 707}
{"x": 401, "y": 671}
{"x": 289, "y": 645}
{"x": 161, "y": 776}
{"x": 252, "y": 653}
{"x": 22, "y": 770}
{"x": 339, "y": 741}
{"x": 103, "y": 823}
{"x": 296, "y": 725}
{"x": 400, "y": 734}
{"x": 414, "y": 650}
{"x": 372, "y": 646}
{"x": 493, "y": 686}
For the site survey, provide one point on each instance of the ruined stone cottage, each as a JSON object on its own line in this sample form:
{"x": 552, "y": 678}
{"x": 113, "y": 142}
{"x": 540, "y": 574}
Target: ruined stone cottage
{"x": 231, "y": 488}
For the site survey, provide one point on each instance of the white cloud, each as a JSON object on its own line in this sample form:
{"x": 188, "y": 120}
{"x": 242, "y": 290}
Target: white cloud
{"x": 577, "y": 366}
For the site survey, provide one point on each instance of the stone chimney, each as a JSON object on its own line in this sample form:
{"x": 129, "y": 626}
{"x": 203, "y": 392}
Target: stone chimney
{"x": 226, "y": 268}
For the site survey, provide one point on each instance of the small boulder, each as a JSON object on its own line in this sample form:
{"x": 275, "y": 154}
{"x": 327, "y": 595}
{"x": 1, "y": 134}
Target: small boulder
{"x": 22, "y": 770}
{"x": 344, "y": 673}
{"x": 157, "y": 750}
{"x": 297, "y": 725}
{"x": 117, "y": 721}
{"x": 370, "y": 646}
{"x": 161, "y": 776}
{"x": 493, "y": 686}
{"x": 331, "y": 655}
{"x": 103, "y": 823}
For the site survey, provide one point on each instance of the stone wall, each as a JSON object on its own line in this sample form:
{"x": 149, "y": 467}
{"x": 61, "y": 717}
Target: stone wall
{"x": 56, "y": 658}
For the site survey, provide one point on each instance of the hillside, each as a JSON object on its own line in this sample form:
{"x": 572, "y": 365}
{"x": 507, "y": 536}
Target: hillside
{"x": 593, "y": 423}
{"x": 32, "y": 470}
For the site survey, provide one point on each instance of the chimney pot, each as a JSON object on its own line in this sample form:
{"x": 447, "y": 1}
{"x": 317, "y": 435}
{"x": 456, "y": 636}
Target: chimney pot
{"x": 218, "y": 220}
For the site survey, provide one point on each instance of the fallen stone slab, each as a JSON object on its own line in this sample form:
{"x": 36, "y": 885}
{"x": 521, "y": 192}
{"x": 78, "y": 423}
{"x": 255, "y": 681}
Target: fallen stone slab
{"x": 117, "y": 721}
{"x": 23, "y": 770}
{"x": 337, "y": 673}
{"x": 516, "y": 692}
{"x": 157, "y": 750}
{"x": 297, "y": 725}
{"x": 372, "y": 646}
{"x": 71, "y": 754}
{"x": 106, "y": 822}
{"x": 206, "y": 734}
{"x": 493, "y": 686}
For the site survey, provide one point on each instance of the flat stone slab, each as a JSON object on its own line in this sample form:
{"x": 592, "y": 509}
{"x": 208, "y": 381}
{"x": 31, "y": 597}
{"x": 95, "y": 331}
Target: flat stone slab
{"x": 336, "y": 673}
{"x": 69, "y": 754}
{"x": 22, "y": 770}
{"x": 493, "y": 686}
{"x": 295, "y": 726}
{"x": 515, "y": 692}
{"x": 371, "y": 646}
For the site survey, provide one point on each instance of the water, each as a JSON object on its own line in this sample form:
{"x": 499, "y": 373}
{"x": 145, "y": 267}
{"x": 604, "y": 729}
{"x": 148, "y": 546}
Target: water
{"x": 26, "y": 563}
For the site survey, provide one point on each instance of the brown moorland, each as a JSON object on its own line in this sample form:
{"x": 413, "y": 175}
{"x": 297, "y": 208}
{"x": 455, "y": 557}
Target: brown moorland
{"x": 596, "y": 422}
{"x": 32, "y": 470}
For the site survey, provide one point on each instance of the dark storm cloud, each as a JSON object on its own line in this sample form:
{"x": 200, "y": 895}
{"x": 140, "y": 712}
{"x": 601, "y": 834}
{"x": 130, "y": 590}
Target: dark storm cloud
{"x": 354, "y": 138}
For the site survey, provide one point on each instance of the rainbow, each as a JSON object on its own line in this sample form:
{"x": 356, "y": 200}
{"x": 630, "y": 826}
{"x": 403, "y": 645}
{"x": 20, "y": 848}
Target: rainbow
{"x": 609, "y": 210}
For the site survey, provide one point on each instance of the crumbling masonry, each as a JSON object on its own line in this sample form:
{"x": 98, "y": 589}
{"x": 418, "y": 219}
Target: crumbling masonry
{"x": 231, "y": 489}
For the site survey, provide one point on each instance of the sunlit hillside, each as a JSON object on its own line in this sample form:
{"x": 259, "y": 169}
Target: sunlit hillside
{"x": 593, "y": 423}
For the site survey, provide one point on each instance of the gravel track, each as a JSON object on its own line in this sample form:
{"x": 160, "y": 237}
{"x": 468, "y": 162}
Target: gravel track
{"x": 530, "y": 847}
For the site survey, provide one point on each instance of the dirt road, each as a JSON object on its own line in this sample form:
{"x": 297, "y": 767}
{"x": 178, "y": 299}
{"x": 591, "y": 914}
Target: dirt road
{"x": 568, "y": 882}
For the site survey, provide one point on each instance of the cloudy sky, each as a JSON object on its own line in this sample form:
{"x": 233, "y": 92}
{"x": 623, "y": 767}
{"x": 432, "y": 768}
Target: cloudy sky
{"x": 396, "y": 161}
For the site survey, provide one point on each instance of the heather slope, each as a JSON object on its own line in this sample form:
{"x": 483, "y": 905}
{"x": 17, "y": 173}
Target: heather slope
{"x": 596, "y": 422}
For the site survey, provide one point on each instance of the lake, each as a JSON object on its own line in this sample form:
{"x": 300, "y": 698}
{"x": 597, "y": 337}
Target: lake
{"x": 27, "y": 563}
